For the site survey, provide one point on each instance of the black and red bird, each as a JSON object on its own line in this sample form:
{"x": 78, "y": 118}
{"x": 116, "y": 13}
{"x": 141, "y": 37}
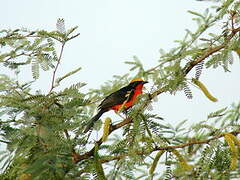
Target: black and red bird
{"x": 123, "y": 98}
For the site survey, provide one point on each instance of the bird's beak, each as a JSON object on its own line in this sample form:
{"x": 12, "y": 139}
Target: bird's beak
{"x": 144, "y": 82}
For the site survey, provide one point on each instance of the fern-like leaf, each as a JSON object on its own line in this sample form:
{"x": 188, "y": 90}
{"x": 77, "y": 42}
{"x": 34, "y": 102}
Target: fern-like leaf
{"x": 187, "y": 91}
{"x": 61, "y": 25}
{"x": 199, "y": 68}
{"x": 35, "y": 69}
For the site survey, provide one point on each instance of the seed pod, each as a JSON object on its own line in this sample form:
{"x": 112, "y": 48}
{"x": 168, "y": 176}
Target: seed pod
{"x": 234, "y": 138}
{"x": 234, "y": 151}
{"x": 182, "y": 161}
{"x": 106, "y": 128}
{"x": 204, "y": 90}
{"x": 155, "y": 161}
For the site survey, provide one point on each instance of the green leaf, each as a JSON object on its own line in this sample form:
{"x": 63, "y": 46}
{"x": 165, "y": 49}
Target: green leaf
{"x": 220, "y": 112}
{"x": 180, "y": 124}
{"x": 67, "y": 75}
{"x": 196, "y": 14}
{"x": 98, "y": 165}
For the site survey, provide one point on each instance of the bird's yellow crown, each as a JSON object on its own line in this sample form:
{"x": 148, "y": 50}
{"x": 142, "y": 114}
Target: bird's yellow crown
{"x": 136, "y": 79}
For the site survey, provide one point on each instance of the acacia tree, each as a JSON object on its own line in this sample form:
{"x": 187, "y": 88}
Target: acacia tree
{"x": 44, "y": 131}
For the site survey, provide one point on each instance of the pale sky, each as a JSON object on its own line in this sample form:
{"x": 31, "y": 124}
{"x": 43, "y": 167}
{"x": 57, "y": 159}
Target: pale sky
{"x": 114, "y": 31}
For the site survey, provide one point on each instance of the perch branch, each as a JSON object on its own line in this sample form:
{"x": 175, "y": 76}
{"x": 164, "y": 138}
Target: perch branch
{"x": 208, "y": 52}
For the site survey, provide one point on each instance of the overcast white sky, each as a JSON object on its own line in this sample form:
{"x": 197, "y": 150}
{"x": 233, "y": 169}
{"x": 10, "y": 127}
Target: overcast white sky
{"x": 112, "y": 32}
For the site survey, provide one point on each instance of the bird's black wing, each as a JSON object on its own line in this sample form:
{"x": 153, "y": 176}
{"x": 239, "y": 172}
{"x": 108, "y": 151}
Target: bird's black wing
{"x": 118, "y": 97}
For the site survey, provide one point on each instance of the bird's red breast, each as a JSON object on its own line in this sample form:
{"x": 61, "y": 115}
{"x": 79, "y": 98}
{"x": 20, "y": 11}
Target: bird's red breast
{"x": 130, "y": 102}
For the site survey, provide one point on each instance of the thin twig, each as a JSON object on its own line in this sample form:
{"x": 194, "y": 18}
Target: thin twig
{"x": 154, "y": 68}
{"x": 72, "y": 37}
{"x": 21, "y": 54}
{"x": 55, "y": 70}
{"x": 6, "y": 142}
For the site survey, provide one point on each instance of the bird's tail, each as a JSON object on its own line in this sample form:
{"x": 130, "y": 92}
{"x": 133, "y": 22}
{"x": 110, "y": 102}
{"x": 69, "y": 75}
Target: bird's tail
{"x": 93, "y": 120}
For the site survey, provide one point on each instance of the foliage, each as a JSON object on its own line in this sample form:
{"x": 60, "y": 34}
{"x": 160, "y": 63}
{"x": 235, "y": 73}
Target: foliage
{"x": 44, "y": 131}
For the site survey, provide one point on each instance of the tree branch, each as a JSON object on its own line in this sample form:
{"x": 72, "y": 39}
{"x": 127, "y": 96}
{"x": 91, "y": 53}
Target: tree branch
{"x": 208, "y": 52}
{"x": 167, "y": 148}
{"x": 77, "y": 157}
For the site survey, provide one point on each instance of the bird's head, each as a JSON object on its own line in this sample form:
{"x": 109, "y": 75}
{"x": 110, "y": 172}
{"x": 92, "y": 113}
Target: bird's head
{"x": 138, "y": 83}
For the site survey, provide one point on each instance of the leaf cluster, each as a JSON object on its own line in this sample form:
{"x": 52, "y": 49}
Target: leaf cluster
{"x": 44, "y": 133}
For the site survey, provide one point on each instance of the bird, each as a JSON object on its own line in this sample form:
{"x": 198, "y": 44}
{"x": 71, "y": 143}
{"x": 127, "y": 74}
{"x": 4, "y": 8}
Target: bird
{"x": 122, "y": 99}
